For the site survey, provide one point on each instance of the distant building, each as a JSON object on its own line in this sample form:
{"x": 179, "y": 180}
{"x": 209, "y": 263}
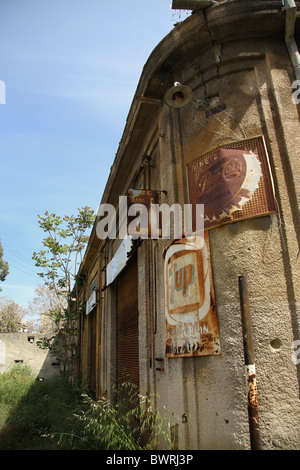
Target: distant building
{"x": 167, "y": 316}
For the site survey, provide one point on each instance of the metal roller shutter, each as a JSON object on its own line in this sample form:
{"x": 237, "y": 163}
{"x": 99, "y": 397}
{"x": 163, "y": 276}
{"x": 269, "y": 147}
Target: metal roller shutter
{"x": 128, "y": 348}
{"x": 127, "y": 326}
{"x": 93, "y": 333}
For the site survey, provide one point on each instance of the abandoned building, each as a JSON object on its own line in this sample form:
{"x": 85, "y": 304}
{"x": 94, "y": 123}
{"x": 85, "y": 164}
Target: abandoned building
{"x": 207, "y": 331}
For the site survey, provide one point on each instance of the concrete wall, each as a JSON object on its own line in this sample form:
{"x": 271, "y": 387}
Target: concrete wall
{"x": 257, "y": 93}
{"x": 19, "y": 347}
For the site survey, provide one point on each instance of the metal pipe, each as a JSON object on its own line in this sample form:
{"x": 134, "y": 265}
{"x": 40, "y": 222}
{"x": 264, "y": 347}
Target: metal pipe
{"x": 290, "y": 21}
{"x": 147, "y": 175}
{"x": 252, "y": 400}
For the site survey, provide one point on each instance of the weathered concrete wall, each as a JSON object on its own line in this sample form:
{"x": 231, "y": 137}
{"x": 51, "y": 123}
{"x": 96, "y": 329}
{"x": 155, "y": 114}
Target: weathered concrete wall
{"x": 17, "y": 347}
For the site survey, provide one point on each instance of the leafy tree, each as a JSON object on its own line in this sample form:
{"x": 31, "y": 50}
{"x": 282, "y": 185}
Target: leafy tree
{"x": 4, "y": 268}
{"x": 11, "y": 315}
{"x": 64, "y": 245}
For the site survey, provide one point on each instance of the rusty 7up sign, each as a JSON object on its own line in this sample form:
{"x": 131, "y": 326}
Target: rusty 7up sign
{"x": 190, "y": 312}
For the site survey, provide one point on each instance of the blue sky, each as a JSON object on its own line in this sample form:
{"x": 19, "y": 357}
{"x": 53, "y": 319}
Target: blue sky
{"x": 71, "y": 68}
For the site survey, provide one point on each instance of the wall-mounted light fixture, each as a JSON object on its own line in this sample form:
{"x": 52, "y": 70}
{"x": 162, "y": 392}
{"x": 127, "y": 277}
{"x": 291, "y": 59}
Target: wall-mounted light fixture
{"x": 178, "y": 96}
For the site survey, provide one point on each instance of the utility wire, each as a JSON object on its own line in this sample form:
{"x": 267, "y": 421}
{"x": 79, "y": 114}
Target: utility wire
{"x": 28, "y": 274}
{"x": 21, "y": 257}
{"x": 15, "y": 252}
{"x": 20, "y": 264}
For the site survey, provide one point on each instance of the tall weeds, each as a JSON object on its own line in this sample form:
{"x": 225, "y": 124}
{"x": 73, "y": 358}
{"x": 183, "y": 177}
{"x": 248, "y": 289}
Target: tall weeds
{"x": 131, "y": 424}
{"x": 52, "y": 414}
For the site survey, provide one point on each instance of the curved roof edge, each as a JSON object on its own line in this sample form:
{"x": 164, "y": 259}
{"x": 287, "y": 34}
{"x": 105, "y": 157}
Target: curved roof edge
{"x": 200, "y": 30}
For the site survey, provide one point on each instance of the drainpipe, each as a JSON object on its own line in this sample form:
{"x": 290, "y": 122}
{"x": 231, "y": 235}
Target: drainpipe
{"x": 290, "y": 20}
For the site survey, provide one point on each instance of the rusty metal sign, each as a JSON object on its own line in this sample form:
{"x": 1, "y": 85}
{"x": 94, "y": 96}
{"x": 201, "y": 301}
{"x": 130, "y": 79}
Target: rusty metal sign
{"x": 190, "y": 311}
{"x": 143, "y": 222}
{"x": 233, "y": 182}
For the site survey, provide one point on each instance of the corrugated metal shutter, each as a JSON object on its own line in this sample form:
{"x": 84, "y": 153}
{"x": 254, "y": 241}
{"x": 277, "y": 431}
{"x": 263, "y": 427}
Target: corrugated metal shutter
{"x": 128, "y": 347}
{"x": 93, "y": 332}
{"x": 127, "y": 326}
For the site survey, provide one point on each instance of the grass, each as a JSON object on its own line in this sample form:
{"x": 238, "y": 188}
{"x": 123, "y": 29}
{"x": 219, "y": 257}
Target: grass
{"x": 39, "y": 415}
{"x": 53, "y": 415}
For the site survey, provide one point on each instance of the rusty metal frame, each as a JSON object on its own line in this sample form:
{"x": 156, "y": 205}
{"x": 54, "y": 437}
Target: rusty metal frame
{"x": 146, "y": 198}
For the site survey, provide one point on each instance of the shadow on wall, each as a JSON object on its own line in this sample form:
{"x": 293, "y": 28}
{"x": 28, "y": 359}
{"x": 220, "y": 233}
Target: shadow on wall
{"x": 22, "y": 348}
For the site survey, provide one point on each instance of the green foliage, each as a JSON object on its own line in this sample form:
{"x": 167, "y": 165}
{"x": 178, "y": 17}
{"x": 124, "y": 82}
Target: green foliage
{"x": 14, "y": 384}
{"x": 62, "y": 253}
{"x": 4, "y": 268}
{"x": 131, "y": 424}
{"x": 53, "y": 414}
{"x": 59, "y": 260}
{"x": 107, "y": 428}
{"x": 35, "y": 414}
